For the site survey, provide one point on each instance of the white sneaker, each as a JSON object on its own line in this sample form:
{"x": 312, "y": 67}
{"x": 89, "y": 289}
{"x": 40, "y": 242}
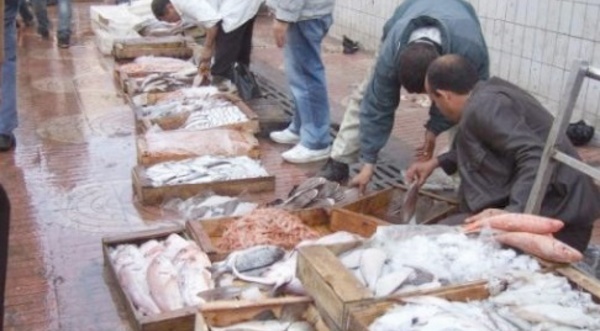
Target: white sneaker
{"x": 301, "y": 154}
{"x": 285, "y": 137}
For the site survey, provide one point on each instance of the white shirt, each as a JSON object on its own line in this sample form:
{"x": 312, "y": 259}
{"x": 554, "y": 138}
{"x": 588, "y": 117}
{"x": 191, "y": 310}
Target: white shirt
{"x": 429, "y": 32}
{"x": 231, "y": 13}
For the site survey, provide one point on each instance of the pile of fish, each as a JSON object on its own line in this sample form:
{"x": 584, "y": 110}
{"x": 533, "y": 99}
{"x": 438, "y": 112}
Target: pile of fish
{"x": 180, "y": 95}
{"x": 210, "y": 206}
{"x": 204, "y": 169}
{"x": 156, "y": 64}
{"x": 266, "y": 226}
{"x": 532, "y": 301}
{"x": 161, "y": 276}
{"x": 164, "y": 81}
{"x": 317, "y": 192}
{"x": 215, "y": 117}
{"x": 391, "y": 263}
{"x": 171, "y": 107}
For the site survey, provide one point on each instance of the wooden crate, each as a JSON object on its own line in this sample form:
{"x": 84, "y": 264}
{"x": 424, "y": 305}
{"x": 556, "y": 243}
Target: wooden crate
{"x": 270, "y": 115}
{"x": 431, "y": 207}
{"x": 176, "y": 121}
{"x": 363, "y": 315}
{"x": 178, "y": 320}
{"x": 146, "y": 157}
{"x": 217, "y": 312}
{"x": 223, "y": 314}
{"x": 335, "y": 289}
{"x": 168, "y": 46}
{"x": 150, "y": 195}
{"x": 208, "y": 233}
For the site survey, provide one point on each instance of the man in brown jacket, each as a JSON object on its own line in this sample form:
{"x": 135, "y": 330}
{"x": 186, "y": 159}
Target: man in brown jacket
{"x": 497, "y": 150}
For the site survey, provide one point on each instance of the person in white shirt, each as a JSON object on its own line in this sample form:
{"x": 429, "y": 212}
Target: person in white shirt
{"x": 228, "y": 24}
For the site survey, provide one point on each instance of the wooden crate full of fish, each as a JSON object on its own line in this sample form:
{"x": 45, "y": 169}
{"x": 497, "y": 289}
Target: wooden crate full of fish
{"x": 167, "y": 46}
{"x": 184, "y": 179}
{"x": 153, "y": 74}
{"x": 165, "y": 281}
{"x": 213, "y": 111}
{"x": 387, "y": 205}
{"x": 164, "y": 146}
{"x": 126, "y": 258}
{"x": 565, "y": 299}
{"x": 273, "y": 226}
{"x": 403, "y": 260}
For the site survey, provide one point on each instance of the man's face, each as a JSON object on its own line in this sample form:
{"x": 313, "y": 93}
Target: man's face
{"x": 171, "y": 15}
{"x": 445, "y": 102}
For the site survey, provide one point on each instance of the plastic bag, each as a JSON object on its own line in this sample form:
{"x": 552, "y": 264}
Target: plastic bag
{"x": 245, "y": 82}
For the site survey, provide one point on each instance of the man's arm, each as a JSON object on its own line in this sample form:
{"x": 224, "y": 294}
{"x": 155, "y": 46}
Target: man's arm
{"x": 503, "y": 129}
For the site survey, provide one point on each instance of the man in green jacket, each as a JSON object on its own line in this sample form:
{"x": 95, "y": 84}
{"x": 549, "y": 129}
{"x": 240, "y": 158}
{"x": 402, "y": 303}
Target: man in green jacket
{"x": 417, "y": 33}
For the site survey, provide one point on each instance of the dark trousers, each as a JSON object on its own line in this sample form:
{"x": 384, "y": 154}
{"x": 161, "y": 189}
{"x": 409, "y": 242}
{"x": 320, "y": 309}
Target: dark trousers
{"x": 232, "y": 47}
{"x": 4, "y": 226}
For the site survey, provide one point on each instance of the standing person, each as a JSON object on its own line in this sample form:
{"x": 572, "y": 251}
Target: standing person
{"x": 229, "y": 26}
{"x": 502, "y": 132}
{"x": 25, "y": 13}
{"x": 63, "y": 34}
{"x": 300, "y": 26}
{"x": 8, "y": 106}
{"x": 417, "y": 33}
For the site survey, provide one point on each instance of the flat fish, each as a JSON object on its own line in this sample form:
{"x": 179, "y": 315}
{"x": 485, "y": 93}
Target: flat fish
{"x": 371, "y": 265}
{"x": 568, "y": 316}
{"x": 389, "y": 283}
{"x": 351, "y": 260}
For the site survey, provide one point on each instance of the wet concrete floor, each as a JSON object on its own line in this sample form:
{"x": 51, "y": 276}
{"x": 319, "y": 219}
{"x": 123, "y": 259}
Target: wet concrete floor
{"x": 69, "y": 180}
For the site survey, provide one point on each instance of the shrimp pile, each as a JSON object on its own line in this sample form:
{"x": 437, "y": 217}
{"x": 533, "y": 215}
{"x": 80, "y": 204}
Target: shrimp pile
{"x": 266, "y": 226}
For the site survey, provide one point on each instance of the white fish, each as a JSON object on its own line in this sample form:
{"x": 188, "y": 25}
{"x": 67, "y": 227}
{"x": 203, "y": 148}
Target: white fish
{"x": 389, "y": 283}
{"x": 162, "y": 281}
{"x": 132, "y": 276}
{"x": 192, "y": 279}
{"x": 339, "y": 237}
{"x": 371, "y": 265}
{"x": 351, "y": 260}
{"x": 557, "y": 314}
{"x": 173, "y": 245}
{"x": 191, "y": 253}
{"x": 151, "y": 248}
{"x": 300, "y": 326}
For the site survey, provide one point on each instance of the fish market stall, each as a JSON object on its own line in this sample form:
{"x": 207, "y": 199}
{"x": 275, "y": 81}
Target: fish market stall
{"x": 388, "y": 205}
{"x": 184, "y": 179}
{"x": 219, "y": 236}
{"x": 204, "y": 112}
{"x": 178, "y": 145}
{"x": 514, "y": 301}
{"x": 402, "y": 261}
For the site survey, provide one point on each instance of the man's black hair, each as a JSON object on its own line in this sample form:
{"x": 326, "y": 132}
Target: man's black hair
{"x": 452, "y": 73}
{"x": 159, "y": 7}
{"x": 414, "y": 61}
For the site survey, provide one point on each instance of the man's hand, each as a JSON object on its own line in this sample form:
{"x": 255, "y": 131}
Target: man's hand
{"x": 420, "y": 171}
{"x": 425, "y": 151}
{"x": 363, "y": 178}
{"x": 279, "y": 32}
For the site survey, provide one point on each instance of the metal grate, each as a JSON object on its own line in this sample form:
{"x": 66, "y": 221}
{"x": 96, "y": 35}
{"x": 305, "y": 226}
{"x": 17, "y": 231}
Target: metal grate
{"x": 387, "y": 174}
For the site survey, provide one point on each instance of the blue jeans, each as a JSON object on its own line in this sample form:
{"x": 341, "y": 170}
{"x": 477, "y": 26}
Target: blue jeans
{"x": 40, "y": 7}
{"x": 8, "y": 110}
{"x": 306, "y": 77}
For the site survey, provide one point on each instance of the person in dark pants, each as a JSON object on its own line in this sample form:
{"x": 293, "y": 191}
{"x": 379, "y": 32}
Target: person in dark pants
{"x": 25, "y": 13}
{"x": 229, "y": 31}
{"x": 4, "y": 227}
{"x": 502, "y": 132}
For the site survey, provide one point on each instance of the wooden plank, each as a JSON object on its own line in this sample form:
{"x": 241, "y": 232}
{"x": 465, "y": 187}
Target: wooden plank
{"x": 149, "y": 195}
{"x": 361, "y": 224}
{"x": 363, "y": 314}
{"x": 581, "y": 281}
{"x": 329, "y": 282}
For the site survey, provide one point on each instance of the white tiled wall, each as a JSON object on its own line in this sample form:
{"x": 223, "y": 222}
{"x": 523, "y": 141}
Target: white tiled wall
{"x": 531, "y": 42}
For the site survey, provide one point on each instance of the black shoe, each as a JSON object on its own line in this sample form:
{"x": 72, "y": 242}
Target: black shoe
{"x": 7, "y": 142}
{"x": 63, "y": 42}
{"x": 334, "y": 171}
{"x": 350, "y": 46}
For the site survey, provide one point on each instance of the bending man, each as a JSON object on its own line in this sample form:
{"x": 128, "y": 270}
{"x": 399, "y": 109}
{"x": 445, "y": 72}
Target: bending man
{"x": 417, "y": 33}
{"x": 502, "y": 132}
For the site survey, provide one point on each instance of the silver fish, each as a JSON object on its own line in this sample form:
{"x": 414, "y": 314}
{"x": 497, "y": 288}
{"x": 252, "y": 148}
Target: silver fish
{"x": 248, "y": 259}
